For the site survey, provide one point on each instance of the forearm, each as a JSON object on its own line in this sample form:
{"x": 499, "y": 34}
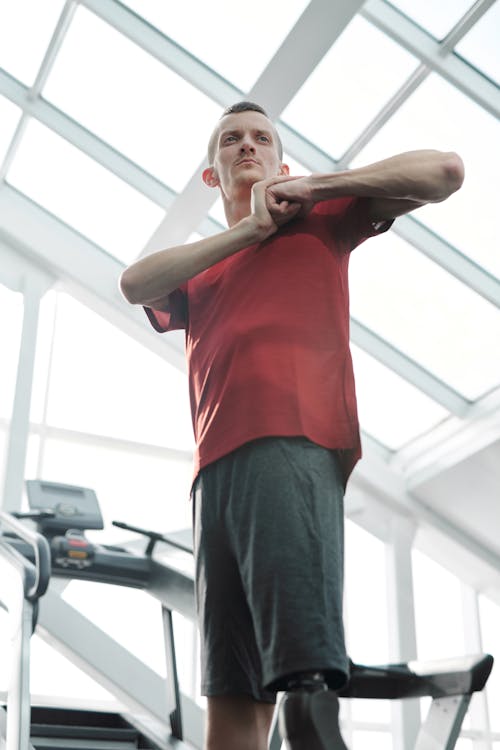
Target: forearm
{"x": 153, "y": 278}
{"x": 420, "y": 176}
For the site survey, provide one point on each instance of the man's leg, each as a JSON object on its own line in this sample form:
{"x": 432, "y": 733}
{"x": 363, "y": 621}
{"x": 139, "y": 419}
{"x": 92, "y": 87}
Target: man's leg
{"x": 239, "y": 710}
{"x": 288, "y": 536}
{"x": 237, "y": 722}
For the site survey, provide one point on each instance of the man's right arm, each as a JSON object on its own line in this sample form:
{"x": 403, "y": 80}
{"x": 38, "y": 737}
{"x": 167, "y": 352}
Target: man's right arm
{"x": 150, "y": 280}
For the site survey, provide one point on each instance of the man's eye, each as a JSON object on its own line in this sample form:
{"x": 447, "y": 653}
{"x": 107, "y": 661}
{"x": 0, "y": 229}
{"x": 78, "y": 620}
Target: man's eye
{"x": 264, "y": 138}
{"x": 229, "y": 138}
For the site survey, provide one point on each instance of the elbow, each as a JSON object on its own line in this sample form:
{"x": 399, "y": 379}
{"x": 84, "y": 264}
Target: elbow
{"x": 128, "y": 287}
{"x": 453, "y": 173}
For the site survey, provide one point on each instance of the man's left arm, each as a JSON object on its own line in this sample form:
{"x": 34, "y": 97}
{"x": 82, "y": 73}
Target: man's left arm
{"x": 393, "y": 186}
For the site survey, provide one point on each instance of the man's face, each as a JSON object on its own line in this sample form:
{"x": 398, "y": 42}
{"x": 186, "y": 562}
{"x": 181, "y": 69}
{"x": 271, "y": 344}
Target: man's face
{"x": 246, "y": 151}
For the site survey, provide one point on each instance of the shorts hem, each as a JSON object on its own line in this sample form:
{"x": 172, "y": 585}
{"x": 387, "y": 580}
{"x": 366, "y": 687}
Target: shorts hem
{"x": 336, "y": 677}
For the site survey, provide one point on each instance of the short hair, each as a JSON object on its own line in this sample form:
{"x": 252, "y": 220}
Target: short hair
{"x": 236, "y": 109}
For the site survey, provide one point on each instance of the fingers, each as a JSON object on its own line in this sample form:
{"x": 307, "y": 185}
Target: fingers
{"x": 283, "y": 212}
{"x": 267, "y": 206}
{"x": 279, "y": 199}
{"x": 298, "y": 190}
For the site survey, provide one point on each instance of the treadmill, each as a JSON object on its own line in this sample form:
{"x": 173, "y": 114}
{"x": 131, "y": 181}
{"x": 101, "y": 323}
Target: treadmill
{"x": 58, "y": 548}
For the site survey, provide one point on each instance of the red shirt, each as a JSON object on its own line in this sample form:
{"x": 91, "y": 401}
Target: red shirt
{"x": 267, "y": 337}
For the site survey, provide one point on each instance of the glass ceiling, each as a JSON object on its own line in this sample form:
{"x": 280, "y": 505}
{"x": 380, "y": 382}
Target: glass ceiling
{"x": 480, "y": 45}
{"x": 9, "y": 119}
{"x": 82, "y": 193}
{"x": 115, "y": 129}
{"x": 107, "y": 94}
{"x": 439, "y": 116}
{"x": 358, "y": 90}
{"x": 23, "y": 45}
{"x": 235, "y": 41}
{"x": 436, "y": 18}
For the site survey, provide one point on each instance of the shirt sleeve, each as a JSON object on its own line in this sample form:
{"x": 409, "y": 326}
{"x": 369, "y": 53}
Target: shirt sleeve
{"x": 350, "y": 222}
{"x": 177, "y": 315}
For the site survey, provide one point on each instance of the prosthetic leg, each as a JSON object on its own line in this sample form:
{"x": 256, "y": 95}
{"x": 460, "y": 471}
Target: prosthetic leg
{"x": 308, "y": 715}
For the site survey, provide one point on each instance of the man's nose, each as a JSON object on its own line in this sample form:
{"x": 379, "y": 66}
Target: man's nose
{"x": 247, "y": 146}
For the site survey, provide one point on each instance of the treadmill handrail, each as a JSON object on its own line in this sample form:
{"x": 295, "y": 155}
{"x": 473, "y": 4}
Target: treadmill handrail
{"x": 41, "y": 550}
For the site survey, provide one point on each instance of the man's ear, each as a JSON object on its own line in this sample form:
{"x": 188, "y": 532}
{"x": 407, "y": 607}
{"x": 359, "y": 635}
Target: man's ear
{"x": 210, "y": 177}
{"x": 284, "y": 169}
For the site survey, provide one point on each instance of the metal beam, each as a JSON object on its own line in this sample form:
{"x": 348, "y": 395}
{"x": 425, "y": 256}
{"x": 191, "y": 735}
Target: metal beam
{"x": 408, "y": 369}
{"x": 479, "y": 564}
{"x": 43, "y": 73}
{"x": 35, "y": 285}
{"x": 127, "y": 678}
{"x": 314, "y": 33}
{"x": 445, "y": 255}
{"x": 413, "y": 82}
{"x": 434, "y": 54}
{"x": 395, "y": 102}
{"x": 450, "y": 442}
{"x": 107, "y": 442}
{"x": 401, "y": 620}
{"x": 83, "y": 139}
{"x": 164, "y": 49}
{"x": 101, "y": 657}
{"x": 318, "y": 27}
{"x": 464, "y": 24}
{"x": 92, "y": 274}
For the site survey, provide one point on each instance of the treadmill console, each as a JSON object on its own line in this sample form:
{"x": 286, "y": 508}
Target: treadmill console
{"x": 74, "y": 507}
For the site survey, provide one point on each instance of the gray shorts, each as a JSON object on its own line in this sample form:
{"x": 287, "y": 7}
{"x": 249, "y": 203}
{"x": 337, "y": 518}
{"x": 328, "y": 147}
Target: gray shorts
{"x": 269, "y": 544}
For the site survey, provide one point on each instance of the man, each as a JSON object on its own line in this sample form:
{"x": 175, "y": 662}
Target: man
{"x": 265, "y": 308}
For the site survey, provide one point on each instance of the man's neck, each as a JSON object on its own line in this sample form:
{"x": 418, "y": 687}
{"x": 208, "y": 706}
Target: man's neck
{"x": 237, "y": 209}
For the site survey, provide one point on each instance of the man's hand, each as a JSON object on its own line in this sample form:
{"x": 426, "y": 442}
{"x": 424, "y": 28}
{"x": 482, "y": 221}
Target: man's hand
{"x": 266, "y": 222}
{"x": 289, "y": 189}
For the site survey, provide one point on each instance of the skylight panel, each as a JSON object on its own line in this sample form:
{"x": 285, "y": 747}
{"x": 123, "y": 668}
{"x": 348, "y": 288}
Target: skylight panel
{"x": 425, "y": 312}
{"x": 82, "y": 193}
{"x": 437, "y": 116}
{"x": 489, "y": 611}
{"x": 390, "y": 409}
{"x": 9, "y": 118}
{"x": 480, "y": 44}
{"x": 125, "y": 390}
{"x": 363, "y": 69}
{"x": 131, "y": 100}
{"x": 217, "y": 212}
{"x": 26, "y": 27}
{"x": 235, "y": 39}
{"x": 295, "y": 167}
{"x": 438, "y": 18}
{"x": 437, "y": 590}
{"x": 11, "y": 310}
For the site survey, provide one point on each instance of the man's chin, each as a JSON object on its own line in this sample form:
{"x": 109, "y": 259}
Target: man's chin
{"x": 250, "y": 177}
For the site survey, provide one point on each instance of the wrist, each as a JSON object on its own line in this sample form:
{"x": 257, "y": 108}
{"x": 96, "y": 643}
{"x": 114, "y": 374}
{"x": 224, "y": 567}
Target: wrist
{"x": 254, "y": 229}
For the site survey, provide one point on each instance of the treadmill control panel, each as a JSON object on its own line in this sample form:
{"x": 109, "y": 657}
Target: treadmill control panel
{"x": 75, "y": 508}
{"x": 72, "y": 550}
